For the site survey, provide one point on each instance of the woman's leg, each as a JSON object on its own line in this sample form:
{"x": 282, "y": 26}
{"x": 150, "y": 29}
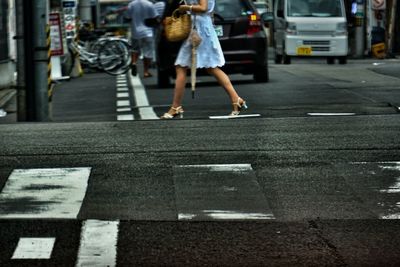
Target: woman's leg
{"x": 180, "y": 84}
{"x": 225, "y": 82}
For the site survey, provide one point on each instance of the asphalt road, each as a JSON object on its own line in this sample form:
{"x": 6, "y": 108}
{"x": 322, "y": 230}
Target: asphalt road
{"x": 282, "y": 189}
{"x": 328, "y": 185}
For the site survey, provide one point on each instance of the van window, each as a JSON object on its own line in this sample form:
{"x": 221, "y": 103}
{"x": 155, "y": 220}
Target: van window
{"x": 231, "y": 9}
{"x": 315, "y": 8}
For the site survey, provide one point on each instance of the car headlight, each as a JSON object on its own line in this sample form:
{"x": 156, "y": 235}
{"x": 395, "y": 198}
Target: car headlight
{"x": 291, "y": 28}
{"x": 341, "y": 28}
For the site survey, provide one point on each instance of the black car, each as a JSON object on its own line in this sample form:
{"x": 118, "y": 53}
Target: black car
{"x": 241, "y": 33}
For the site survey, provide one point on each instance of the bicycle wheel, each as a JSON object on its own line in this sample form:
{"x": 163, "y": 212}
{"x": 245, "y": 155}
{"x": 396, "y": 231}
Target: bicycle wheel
{"x": 114, "y": 57}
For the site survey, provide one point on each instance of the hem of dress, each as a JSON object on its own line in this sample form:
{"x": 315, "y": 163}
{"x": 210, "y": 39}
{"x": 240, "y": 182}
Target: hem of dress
{"x": 203, "y": 67}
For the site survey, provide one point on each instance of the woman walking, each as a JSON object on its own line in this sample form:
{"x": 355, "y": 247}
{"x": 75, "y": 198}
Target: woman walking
{"x": 209, "y": 56}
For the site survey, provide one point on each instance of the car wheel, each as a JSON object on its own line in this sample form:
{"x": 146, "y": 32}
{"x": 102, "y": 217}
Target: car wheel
{"x": 278, "y": 59}
{"x": 286, "y": 59}
{"x": 343, "y": 60}
{"x": 163, "y": 79}
{"x": 330, "y": 60}
{"x": 261, "y": 74}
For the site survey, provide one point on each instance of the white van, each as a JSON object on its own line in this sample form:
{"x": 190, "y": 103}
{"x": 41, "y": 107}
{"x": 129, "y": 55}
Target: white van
{"x": 316, "y": 28}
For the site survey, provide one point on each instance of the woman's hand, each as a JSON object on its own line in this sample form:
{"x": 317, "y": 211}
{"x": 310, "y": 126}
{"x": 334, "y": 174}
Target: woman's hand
{"x": 184, "y": 8}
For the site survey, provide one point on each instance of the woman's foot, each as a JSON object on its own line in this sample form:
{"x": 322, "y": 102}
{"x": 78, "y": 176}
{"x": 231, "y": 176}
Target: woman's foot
{"x": 173, "y": 112}
{"x": 238, "y": 106}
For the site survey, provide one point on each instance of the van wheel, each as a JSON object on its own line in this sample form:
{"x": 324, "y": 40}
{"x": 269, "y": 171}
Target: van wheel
{"x": 343, "y": 60}
{"x": 261, "y": 74}
{"x": 163, "y": 79}
{"x": 330, "y": 60}
{"x": 286, "y": 59}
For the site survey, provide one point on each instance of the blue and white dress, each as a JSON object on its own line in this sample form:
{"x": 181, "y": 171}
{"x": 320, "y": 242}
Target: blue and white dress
{"x": 209, "y": 52}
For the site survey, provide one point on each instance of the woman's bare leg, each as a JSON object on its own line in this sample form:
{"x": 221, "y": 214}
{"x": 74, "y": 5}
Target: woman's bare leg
{"x": 225, "y": 82}
{"x": 180, "y": 84}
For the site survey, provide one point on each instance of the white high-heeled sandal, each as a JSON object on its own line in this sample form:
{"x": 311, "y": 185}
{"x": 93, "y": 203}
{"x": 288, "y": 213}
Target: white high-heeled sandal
{"x": 177, "y": 111}
{"x": 239, "y": 106}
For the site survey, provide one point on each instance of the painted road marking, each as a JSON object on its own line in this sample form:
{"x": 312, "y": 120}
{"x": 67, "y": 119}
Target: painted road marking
{"x": 145, "y": 110}
{"x": 124, "y": 109}
{"x": 122, "y": 95}
{"x": 34, "y": 248}
{"x": 234, "y": 117}
{"x": 219, "y": 192}
{"x": 126, "y": 117}
{"x": 123, "y": 101}
{"x": 44, "y": 193}
{"x": 98, "y": 245}
{"x": 393, "y": 209}
{"x": 330, "y": 114}
{"x": 379, "y": 186}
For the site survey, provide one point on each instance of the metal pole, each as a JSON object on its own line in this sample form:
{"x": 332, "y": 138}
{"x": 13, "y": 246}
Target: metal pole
{"x": 21, "y": 79}
{"x": 391, "y": 28}
{"x": 85, "y": 10}
{"x": 359, "y": 30}
{"x": 40, "y": 57}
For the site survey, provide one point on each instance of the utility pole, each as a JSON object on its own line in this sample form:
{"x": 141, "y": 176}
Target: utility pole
{"x": 21, "y": 79}
{"x": 359, "y": 29}
{"x": 41, "y": 59}
{"x": 390, "y": 40}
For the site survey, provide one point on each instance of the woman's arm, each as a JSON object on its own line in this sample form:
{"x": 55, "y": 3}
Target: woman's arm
{"x": 202, "y": 7}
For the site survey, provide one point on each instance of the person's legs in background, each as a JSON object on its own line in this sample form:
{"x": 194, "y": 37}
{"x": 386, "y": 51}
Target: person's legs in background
{"x": 147, "y": 47}
{"x": 135, "y": 56}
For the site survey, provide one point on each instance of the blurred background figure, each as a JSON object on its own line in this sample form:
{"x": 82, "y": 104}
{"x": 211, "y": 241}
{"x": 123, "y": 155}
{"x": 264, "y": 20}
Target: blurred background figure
{"x": 141, "y": 34}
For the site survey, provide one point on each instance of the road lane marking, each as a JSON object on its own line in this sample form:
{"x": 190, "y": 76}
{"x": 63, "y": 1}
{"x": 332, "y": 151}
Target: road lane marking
{"x": 44, "y": 193}
{"x": 124, "y": 109}
{"x": 123, "y": 103}
{"x": 126, "y": 117}
{"x": 122, "y": 95}
{"x": 226, "y": 117}
{"x": 330, "y": 114}
{"x": 98, "y": 244}
{"x": 145, "y": 110}
{"x": 34, "y": 248}
{"x": 219, "y": 192}
{"x": 380, "y": 187}
{"x": 393, "y": 212}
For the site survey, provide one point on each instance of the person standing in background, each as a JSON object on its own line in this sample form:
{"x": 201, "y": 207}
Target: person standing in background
{"x": 160, "y": 7}
{"x": 142, "y": 35}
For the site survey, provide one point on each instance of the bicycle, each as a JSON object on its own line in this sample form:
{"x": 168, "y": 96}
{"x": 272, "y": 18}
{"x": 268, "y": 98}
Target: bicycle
{"x": 109, "y": 54}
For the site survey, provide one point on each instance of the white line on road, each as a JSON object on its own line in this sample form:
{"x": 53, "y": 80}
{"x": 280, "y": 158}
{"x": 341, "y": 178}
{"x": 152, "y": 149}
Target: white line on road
{"x": 221, "y": 167}
{"x": 98, "y": 245}
{"x": 34, "y": 248}
{"x": 219, "y": 192}
{"x": 126, "y": 117}
{"x": 226, "y": 117}
{"x": 330, "y": 114}
{"x": 122, "y": 95}
{"x": 44, "y": 193}
{"x": 123, "y": 103}
{"x": 146, "y": 112}
{"x": 124, "y": 109}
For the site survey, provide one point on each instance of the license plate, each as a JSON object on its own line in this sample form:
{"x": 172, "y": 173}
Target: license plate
{"x": 304, "y": 50}
{"x": 219, "y": 30}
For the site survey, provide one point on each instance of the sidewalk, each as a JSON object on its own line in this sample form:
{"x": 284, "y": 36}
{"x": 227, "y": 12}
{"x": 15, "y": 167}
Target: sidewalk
{"x": 7, "y": 96}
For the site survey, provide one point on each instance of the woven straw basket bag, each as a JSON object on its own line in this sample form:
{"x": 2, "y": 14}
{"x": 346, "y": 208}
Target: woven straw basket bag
{"x": 178, "y": 26}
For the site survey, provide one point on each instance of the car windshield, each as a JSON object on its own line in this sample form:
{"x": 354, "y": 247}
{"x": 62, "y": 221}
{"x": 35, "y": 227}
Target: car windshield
{"x": 315, "y": 8}
{"x": 230, "y": 9}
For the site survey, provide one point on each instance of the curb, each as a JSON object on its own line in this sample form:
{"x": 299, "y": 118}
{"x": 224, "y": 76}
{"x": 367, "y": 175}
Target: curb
{"x": 6, "y": 95}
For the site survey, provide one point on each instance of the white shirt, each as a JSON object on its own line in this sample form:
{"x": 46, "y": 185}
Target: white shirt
{"x": 138, "y": 11}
